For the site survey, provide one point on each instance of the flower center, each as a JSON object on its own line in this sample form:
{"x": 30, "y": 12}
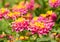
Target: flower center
{"x": 10, "y": 14}
{"x": 20, "y": 20}
{"x": 53, "y": 1}
{"x": 41, "y": 25}
{"x": 3, "y": 10}
{"x": 49, "y": 12}
{"x": 35, "y": 18}
{"x": 43, "y": 15}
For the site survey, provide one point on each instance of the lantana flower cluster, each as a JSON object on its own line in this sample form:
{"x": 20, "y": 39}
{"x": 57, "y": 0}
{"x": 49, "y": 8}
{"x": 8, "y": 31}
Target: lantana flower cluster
{"x": 20, "y": 24}
{"x": 40, "y": 25}
{"x": 23, "y": 7}
{"x": 3, "y": 13}
{"x": 43, "y": 24}
{"x": 54, "y": 3}
{"x": 23, "y": 18}
{"x": 17, "y": 10}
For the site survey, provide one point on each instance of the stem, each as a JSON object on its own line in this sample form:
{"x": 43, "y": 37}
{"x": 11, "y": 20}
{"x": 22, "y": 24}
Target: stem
{"x": 25, "y": 1}
{"x": 3, "y": 2}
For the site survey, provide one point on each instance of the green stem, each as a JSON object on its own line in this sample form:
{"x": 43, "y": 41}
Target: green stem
{"x": 3, "y": 2}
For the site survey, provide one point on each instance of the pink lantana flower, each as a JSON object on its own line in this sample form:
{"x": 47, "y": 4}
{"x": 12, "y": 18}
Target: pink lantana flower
{"x": 54, "y": 3}
{"x": 4, "y": 12}
{"x": 20, "y": 8}
{"x": 30, "y": 5}
{"x": 20, "y": 24}
{"x": 43, "y": 24}
{"x": 52, "y": 15}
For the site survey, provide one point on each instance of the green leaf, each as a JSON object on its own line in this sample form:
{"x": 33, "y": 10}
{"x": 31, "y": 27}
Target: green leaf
{"x": 3, "y": 25}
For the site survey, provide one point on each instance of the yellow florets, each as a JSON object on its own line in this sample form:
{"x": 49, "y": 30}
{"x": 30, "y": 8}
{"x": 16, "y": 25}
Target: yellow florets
{"x": 17, "y": 38}
{"x": 41, "y": 25}
{"x": 35, "y": 18}
{"x": 16, "y": 13}
{"x": 49, "y": 12}
{"x": 13, "y": 14}
{"x": 21, "y": 5}
{"x": 28, "y": 14}
{"x": 20, "y": 19}
{"x": 53, "y": 1}
{"x": 21, "y": 38}
{"x": 2, "y": 10}
{"x": 43, "y": 15}
{"x": 10, "y": 14}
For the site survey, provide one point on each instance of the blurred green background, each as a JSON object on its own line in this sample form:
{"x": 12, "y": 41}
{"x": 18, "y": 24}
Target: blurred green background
{"x": 10, "y": 2}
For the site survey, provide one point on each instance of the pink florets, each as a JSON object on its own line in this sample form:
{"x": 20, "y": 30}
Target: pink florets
{"x": 20, "y": 26}
{"x": 30, "y": 6}
{"x": 21, "y": 10}
{"x": 53, "y": 17}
